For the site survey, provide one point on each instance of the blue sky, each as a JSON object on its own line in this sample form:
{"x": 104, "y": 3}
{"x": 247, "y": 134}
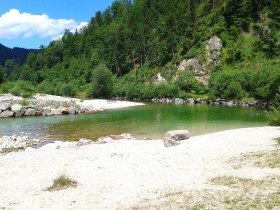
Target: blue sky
{"x": 30, "y": 23}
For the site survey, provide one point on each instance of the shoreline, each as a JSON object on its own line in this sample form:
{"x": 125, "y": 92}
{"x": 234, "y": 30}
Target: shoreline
{"x": 124, "y": 173}
{"x": 48, "y": 105}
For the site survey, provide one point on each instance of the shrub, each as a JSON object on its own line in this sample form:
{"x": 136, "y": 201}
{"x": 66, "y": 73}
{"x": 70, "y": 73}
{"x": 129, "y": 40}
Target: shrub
{"x": 6, "y": 87}
{"x": 102, "y": 82}
{"x": 165, "y": 91}
{"x": 62, "y": 182}
{"x": 188, "y": 83}
{"x": 234, "y": 91}
{"x": 22, "y": 88}
{"x": 274, "y": 116}
{"x": 68, "y": 90}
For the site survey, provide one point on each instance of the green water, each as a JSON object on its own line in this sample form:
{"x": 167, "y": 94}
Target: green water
{"x": 151, "y": 121}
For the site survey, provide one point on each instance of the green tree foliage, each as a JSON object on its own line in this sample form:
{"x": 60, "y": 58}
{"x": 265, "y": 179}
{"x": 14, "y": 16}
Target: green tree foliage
{"x": 102, "y": 82}
{"x": 1, "y": 75}
{"x": 19, "y": 88}
{"x": 137, "y": 39}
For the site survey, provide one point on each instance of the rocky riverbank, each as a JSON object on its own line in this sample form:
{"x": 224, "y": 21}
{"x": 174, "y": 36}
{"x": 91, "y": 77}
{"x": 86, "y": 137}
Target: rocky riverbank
{"x": 47, "y": 105}
{"x": 223, "y": 102}
{"x": 23, "y": 141}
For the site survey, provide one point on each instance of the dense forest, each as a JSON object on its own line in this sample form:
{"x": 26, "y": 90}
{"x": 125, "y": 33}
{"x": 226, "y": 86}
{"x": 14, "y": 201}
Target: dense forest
{"x": 124, "y": 48}
{"x": 17, "y": 54}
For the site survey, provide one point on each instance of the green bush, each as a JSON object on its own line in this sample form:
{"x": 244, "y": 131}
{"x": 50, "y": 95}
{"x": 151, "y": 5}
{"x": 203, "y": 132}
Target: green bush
{"x": 102, "y": 82}
{"x": 68, "y": 90}
{"x": 274, "y": 116}
{"x": 6, "y": 87}
{"x": 188, "y": 83}
{"x": 165, "y": 91}
{"x": 22, "y": 88}
{"x": 260, "y": 82}
{"x": 234, "y": 91}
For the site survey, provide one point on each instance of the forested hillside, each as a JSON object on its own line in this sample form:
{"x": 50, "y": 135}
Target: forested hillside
{"x": 16, "y": 53}
{"x": 134, "y": 49}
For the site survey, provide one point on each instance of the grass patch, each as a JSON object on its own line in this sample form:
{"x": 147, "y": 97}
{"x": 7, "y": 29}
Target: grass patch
{"x": 278, "y": 140}
{"x": 9, "y": 150}
{"x": 226, "y": 192}
{"x": 62, "y": 182}
{"x": 264, "y": 159}
{"x": 236, "y": 182}
{"x": 239, "y": 193}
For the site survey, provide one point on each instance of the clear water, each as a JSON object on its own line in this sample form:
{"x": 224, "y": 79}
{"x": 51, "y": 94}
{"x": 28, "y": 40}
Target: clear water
{"x": 150, "y": 121}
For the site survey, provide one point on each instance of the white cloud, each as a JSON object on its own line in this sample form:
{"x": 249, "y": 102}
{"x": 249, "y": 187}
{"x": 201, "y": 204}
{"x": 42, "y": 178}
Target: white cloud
{"x": 73, "y": 30}
{"x": 14, "y": 24}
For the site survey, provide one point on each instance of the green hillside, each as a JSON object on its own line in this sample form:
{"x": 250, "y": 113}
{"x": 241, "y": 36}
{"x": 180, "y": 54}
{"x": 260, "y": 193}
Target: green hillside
{"x": 124, "y": 47}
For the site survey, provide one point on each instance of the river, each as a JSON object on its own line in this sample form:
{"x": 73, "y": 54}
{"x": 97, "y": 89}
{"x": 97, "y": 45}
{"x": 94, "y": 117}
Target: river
{"x": 150, "y": 121}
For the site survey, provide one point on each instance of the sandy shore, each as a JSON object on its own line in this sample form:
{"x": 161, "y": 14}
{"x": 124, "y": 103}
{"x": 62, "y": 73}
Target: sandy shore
{"x": 124, "y": 173}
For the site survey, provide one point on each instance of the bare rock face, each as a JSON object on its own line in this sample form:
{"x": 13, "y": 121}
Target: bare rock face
{"x": 196, "y": 68}
{"x": 213, "y": 51}
{"x": 193, "y": 64}
{"x": 159, "y": 79}
{"x": 171, "y": 138}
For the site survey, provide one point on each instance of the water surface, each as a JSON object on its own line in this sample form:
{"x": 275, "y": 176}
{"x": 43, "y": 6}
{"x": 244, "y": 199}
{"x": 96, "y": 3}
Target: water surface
{"x": 151, "y": 121}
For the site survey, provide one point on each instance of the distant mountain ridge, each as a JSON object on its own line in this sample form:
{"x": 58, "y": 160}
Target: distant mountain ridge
{"x": 18, "y": 54}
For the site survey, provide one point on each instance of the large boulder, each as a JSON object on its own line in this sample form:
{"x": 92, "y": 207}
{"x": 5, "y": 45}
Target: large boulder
{"x": 18, "y": 110}
{"x": 7, "y": 113}
{"x": 64, "y": 110}
{"x": 171, "y": 138}
{"x": 31, "y": 112}
{"x": 72, "y": 110}
{"x": 5, "y": 106}
{"x": 55, "y": 111}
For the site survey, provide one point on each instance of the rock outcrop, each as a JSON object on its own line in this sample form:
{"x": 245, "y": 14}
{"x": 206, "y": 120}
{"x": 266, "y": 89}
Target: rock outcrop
{"x": 193, "y": 64}
{"x": 213, "y": 51}
{"x": 196, "y": 68}
{"x": 159, "y": 79}
{"x": 202, "y": 71}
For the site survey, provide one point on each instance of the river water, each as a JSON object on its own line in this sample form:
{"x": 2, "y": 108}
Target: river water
{"x": 150, "y": 121}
